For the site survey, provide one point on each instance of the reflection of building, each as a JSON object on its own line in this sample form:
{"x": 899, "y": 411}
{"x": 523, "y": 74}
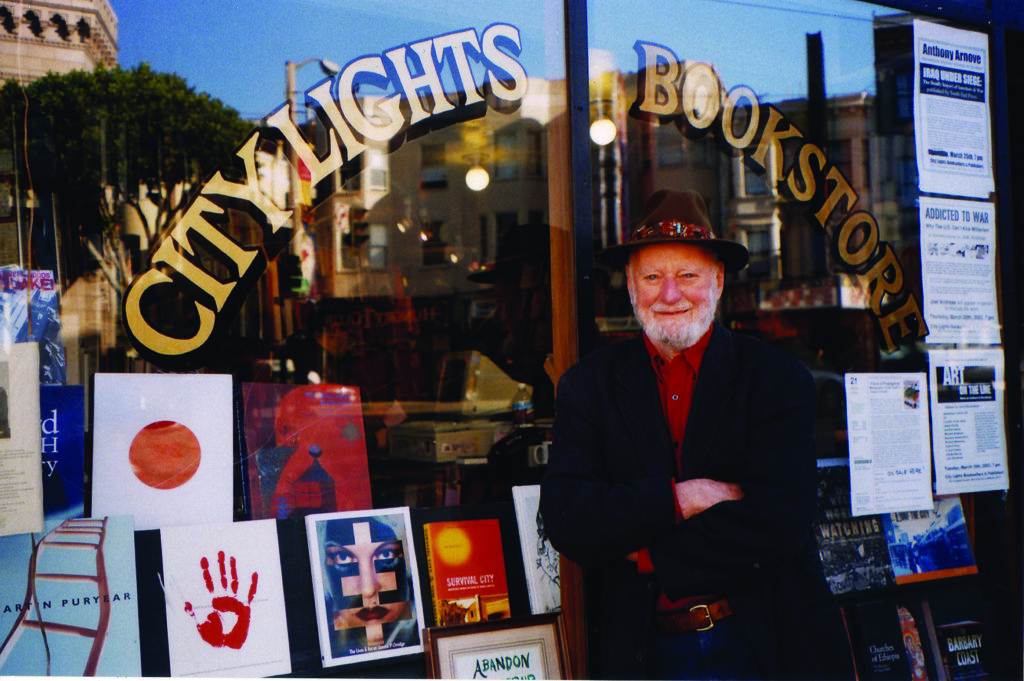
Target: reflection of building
{"x": 407, "y": 223}
{"x": 37, "y": 37}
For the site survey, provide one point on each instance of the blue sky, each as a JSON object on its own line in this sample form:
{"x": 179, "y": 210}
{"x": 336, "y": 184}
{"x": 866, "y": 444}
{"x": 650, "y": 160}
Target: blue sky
{"x": 236, "y": 50}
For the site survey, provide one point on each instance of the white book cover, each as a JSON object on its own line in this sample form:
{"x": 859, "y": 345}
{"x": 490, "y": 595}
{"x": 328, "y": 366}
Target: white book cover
{"x": 162, "y": 448}
{"x": 366, "y": 588}
{"x": 540, "y": 559}
{"x": 21, "y": 474}
{"x": 225, "y": 600}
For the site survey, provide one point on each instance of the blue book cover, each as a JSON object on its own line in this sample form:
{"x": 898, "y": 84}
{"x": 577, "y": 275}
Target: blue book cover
{"x": 62, "y": 433}
{"x": 931, "y": 544}
{"x": 30, "y": 310}
{"x": 68, "y": 600}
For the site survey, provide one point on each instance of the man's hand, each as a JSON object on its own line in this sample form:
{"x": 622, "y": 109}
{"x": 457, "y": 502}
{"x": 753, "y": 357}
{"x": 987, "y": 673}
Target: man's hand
{"x": 697, "y": 496}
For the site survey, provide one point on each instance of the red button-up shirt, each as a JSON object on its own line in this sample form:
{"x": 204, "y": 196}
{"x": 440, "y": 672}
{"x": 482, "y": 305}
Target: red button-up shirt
{"x": 676, "y": 381}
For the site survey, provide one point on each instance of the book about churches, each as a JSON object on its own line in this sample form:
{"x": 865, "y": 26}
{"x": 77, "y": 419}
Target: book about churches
{"x": 466, "y": 566}
{"x": 853, "y": 551}
{"x": 305, "y": 449}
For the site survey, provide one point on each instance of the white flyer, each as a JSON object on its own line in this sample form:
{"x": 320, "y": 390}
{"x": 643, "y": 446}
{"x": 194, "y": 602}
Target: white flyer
{"x": 887, "y": 422}
{"x": 968, "y": 434}
{"x": 958, "y": 271}
{"x": 952, "y": 124}
{"x": 21, "y": 476}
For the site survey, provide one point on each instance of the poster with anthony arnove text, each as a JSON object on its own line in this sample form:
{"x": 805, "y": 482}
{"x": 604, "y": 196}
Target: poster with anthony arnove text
{"x": 951, "y": 111}
{"x": 968, "y": 432}
{"x": 887, "y": 422}
{"x": 958, "y": 255}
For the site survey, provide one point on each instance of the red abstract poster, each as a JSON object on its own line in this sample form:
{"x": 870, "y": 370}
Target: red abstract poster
{"x": 306, "y": 449}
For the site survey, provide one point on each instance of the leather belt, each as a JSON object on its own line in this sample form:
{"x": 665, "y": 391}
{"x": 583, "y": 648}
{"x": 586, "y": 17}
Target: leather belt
{"x": 700, "y": 617}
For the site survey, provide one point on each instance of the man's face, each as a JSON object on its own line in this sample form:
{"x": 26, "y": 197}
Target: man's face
{"x": 674, "y": 289}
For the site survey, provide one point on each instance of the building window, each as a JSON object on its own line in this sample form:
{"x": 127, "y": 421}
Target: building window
{"x": 377, "y": 251}
{"x": 376, "y": 170}
{"x": 433, "y": 171}
{"x": 505, "y": 167}
{"x": 432, "y": 237}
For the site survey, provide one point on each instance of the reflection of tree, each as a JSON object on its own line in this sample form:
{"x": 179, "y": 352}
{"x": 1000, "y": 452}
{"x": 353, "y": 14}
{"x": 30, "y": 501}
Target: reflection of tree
{"x": 112, "y": 143}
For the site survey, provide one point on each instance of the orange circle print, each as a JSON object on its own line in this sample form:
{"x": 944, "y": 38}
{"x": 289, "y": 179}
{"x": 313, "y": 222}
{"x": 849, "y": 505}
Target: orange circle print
{"x": 164, "y": 455}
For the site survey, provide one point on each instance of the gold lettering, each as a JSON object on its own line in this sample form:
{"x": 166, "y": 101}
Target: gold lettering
{"x": 850, "y": 227}
{"x": 172, "y": 257}
{"x": 193, "y": 221}
{"x": 702, "y": 99}
{"x": 898, "y": 318}
{"x": 735, "y": 96}
{"x": 841, "y": 190}
{"x": 660, "y": 93}
{"x": 249, "y": 190}
{"x": 428, "y": 79}
{"x": 318, "y": 169}
{"x": 770, "y": 139}
{"x": 806, "y": 174}
{"x": 888, "y": 263}
{"x": 149, "y": 337}
{"x": 361, "y": 123}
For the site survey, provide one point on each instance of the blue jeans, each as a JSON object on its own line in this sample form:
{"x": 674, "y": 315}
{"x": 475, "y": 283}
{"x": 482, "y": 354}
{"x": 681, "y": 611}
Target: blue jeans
{"x": 721, "y": 652}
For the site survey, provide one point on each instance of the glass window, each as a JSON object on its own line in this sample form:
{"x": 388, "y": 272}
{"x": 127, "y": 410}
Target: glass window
{"x": 699, "y": 96}
{"x": 395, "y": 151}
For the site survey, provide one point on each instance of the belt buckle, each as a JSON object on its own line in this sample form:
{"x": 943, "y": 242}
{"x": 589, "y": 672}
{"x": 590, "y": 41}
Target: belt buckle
{"x": 707, "y": 613}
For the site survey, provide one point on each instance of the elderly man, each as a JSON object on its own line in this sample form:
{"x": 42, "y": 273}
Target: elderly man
{"x": 682, "y": 477}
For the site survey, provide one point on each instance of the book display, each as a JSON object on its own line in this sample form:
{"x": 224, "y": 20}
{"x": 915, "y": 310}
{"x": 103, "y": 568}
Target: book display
{"x": 165, "y": 461}
{"x": 539, "y": 557}
{"x": 69, "y": 600}
{"x": 21, "y": 475}
{"x": 62, "y": 441}
{"x": 467, "y": 571}
{"x": 224, "y": 600}
{"x": 854, "y": 555}
{"x": 365, "y": 585}
{"x": 306, "y": 451}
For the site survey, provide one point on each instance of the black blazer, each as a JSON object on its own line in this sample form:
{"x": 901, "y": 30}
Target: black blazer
{"x": 608, "y": 492}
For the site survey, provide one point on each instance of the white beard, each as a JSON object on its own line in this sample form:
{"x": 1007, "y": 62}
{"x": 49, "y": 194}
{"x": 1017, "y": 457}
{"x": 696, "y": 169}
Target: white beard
{"x": 677, "y": 334}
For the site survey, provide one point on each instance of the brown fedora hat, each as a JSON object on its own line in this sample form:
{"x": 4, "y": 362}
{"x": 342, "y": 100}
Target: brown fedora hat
{"x": 678, "y": 217}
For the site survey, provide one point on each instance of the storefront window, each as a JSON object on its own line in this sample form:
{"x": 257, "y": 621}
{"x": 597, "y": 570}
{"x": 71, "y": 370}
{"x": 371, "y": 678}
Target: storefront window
{"x": 337, "y": 215}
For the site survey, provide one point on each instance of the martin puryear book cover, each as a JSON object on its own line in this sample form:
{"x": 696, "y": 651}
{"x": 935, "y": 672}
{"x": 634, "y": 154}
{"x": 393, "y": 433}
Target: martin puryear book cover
{"x": 467, "y": 571}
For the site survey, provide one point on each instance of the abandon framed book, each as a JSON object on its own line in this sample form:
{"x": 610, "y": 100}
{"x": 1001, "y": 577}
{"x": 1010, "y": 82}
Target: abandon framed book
{"x": 523, "y": 648}
{"x": 365, "y": 585}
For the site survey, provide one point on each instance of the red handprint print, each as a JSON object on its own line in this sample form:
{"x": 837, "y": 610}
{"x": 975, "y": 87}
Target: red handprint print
{"x": 212, "y": 630}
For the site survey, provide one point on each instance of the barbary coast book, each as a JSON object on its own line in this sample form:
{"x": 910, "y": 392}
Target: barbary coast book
{"x": 466, "y": 566}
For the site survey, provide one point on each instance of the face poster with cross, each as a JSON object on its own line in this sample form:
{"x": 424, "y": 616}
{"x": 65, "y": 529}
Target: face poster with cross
{"x": 366, "y": 587}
